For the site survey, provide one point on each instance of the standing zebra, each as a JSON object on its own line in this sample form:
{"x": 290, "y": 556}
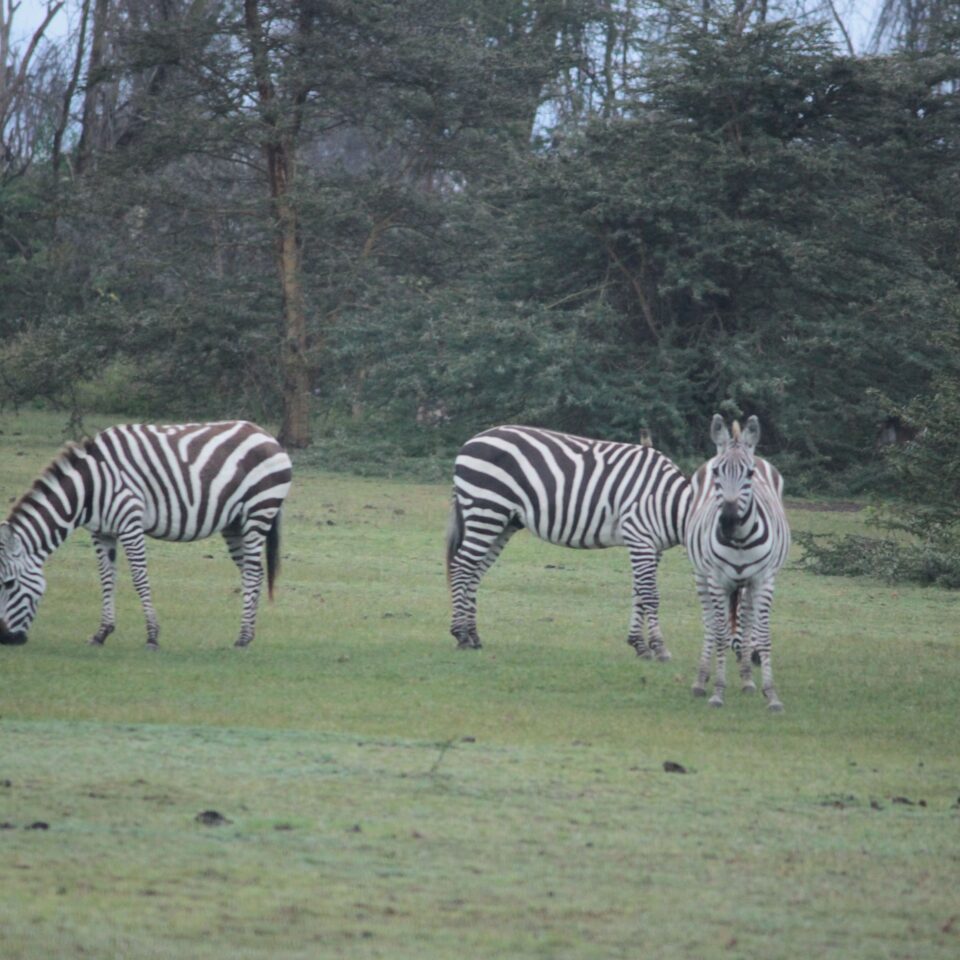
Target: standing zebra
{"x": 181, "y": 482}
{"x": 570, "y": 491}
{"x": 737, "y": 539}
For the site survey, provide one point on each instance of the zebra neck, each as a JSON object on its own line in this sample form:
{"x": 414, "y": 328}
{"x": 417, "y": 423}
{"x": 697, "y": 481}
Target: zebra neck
{"x": 41, "y": 528}
{"x": 680, "y": 502}
{"x": 54, "y": 506}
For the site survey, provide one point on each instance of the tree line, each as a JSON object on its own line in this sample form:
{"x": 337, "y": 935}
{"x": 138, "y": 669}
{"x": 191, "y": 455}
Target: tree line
{"x": 409, "y": 220}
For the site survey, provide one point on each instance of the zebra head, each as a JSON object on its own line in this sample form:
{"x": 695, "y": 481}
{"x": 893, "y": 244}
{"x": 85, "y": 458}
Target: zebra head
{"x": 21, "y": 585}
{"x": 732, "y": 470}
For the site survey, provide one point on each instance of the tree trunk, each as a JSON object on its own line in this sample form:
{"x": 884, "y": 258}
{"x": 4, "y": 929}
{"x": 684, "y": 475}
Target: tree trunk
{"x": 295, "y": 429}
{"x": 71, "y": 89}
{"x": 97, "y": 44}
{"x": 279, "y": 149}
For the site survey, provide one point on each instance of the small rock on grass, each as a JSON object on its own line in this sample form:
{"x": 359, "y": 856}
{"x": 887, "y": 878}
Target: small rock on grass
{"x": 211, "y": 818}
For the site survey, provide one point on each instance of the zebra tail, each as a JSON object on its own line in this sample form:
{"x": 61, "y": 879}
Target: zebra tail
{"x": 273, "y": 553}
{"x": 454, "y": 533}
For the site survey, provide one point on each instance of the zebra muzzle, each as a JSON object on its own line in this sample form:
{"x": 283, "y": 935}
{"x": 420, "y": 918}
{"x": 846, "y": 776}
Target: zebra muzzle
{"x": 729, "y": 519}
{"x": 12, "y": 639}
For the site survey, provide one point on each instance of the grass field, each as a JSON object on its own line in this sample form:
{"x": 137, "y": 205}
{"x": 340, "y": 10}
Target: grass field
{"x": 385, "y": 795}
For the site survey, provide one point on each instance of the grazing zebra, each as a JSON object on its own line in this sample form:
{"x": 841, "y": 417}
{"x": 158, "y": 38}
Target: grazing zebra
{"x": 570, "y": 491}
{"x": 737, "y": 538}
{"x": 180, "y": 482}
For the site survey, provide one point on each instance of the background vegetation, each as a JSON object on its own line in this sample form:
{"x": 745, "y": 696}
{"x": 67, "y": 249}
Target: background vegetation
{"x": 386, "y": 795}
{"x": 405, "y": 221}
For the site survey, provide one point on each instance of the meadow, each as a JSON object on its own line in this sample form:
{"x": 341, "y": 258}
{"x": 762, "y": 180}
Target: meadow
{"x": 371, "y": 791}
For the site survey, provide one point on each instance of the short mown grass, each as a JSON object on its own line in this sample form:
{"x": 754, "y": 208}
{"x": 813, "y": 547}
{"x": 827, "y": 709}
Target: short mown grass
{"x": 385, "y": 795}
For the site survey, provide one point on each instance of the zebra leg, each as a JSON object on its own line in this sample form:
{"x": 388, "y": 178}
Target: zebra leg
{"x": 720, "y": 682}
{"x": 135, "y": 549}
{"x": 713, "y": 602}
{"x": 764, "y": 601}
{"x": 246, "y": 550}
{"x": 644, "y": 558}
{"x": 483, "y": 540}
{"x": 736, "y": 636}
{"x": 746, "y": 628}
{"x": 106, "y": 549}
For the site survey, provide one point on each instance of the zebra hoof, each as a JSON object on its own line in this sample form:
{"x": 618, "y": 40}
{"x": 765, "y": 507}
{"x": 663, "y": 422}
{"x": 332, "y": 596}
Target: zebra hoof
{"x": 96, "y": 641}
{"x": 775, "y": 706}
{"x": 715, "y": 701}
{"x": 749, "y": 687}
{"x": 153, "y": 647}
{"x": 698, "y": 691}
{"x": 664, "y": 655}
{"x": 240, "y": 643}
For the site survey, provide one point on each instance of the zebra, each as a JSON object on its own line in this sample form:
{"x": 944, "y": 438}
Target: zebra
{"x": 180, "y": 482}
{"x": 570, "y": 491}
{"x": 737, "y": 538}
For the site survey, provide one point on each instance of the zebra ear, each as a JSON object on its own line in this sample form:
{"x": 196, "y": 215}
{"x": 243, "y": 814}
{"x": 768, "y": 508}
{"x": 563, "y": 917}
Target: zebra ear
{"x": 719, "y": 433}
{"x": 751, "y": 433}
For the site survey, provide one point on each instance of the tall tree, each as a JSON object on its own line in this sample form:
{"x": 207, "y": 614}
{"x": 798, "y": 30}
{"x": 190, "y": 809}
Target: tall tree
{"x": 917, "y": 26}
{"x": 15, "y": 65}
{"x": 98, "y": 42}
{"x": 762, "y": 214}
{"x": 281, "y": 105}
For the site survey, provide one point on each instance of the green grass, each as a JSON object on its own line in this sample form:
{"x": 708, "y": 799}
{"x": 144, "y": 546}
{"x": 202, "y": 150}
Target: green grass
{"x": 390, "y": 796}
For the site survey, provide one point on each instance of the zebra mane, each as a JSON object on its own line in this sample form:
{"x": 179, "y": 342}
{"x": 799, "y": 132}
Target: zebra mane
{"x": 68, "y": 455}
{"x": 735, "y": 431}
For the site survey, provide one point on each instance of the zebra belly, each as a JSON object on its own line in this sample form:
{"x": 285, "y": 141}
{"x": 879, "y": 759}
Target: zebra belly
{"x": 187, "y": 527}
{"x": 604, "y": 532}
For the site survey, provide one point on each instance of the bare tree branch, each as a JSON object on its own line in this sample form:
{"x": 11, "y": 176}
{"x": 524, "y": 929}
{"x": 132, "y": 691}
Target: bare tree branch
{"x": 9, "y": 91}
{"x": 843, "y": 28}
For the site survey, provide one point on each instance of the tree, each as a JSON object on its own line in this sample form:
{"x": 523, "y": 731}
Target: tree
{"x": 320, "y": 141}
{"x": 281, "y": 106}
{"x": 17, "y": 133}
{"x": 760, "y": 219}
{"x": 917, "y": 26}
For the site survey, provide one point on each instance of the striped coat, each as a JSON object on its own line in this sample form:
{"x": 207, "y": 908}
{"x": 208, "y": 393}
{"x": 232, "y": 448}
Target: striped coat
{"x": 571, "y": 491}
{"x": 737, "y": 538}
{"x": 182, "y": 482}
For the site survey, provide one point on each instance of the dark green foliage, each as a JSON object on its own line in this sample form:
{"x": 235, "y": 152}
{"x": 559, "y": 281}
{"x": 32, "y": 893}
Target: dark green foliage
{"x": 759, "y": 235}
{"x": 936, "y": 563}
{"x": 456, "y": 362}
{"x": 925, "y": 517}
{"x": 545, "y": 212}
{"x": 927, "y": 469}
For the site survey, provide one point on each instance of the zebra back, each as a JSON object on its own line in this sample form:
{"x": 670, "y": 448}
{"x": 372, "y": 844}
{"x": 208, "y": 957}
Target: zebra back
{"x": 571, "y": 490}
{"x": 189, "y": 480}
{"x": 194, "y": 479}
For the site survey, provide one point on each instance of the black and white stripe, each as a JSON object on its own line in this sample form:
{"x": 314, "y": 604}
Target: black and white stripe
{"x": 737, "y": 538}
{"x": 182, "y": 482}
{"x": 570, "y": 491}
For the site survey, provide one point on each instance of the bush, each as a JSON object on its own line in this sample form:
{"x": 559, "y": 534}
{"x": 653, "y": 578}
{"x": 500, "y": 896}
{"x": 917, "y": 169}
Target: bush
{"x": 927, "y": 562}
{"x": 926, "y": 475}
